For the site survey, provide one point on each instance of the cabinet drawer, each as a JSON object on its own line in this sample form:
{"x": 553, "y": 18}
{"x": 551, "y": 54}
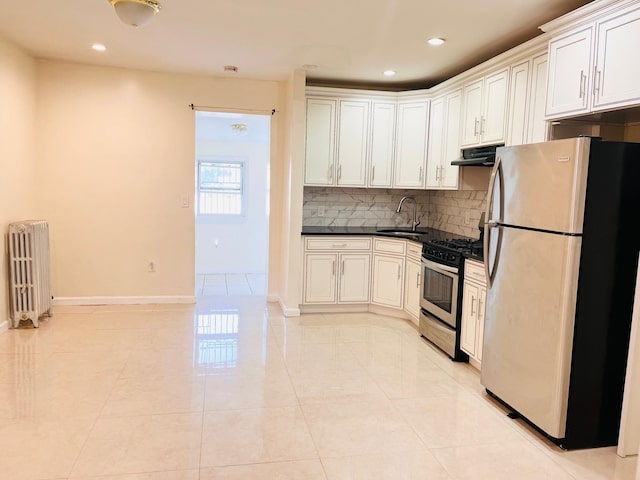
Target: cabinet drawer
{"x": 474, "y": 271}
{"x": 337, "y": 243}
{"x": 414, "y": 250}
{"x": 397, "y": 247}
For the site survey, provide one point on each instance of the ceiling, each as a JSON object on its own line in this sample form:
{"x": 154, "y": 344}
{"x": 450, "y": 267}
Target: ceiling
{"x": 350, "y": 42}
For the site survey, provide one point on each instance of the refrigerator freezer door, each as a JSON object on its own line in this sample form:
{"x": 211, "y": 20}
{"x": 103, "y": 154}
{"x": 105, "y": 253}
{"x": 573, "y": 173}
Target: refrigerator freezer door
{"x": 529, "y": 321}
{"x": 542, "y": 185}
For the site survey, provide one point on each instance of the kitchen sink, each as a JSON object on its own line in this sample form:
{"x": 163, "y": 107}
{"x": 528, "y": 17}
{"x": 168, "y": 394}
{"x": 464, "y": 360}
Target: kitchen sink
{"x": 401, "y": 232}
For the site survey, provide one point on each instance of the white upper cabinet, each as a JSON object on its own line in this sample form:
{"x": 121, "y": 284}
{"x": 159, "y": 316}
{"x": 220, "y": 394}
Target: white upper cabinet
{"x": 485, "y": 110}
{"x": 383, "y": 126}
{"x": 353, "y": 137}
{"x": 411, "y": 144}
{"x": 320, "y": 145}
{"x": 537, "y": 129}
{"x": 518, "y": 99}
{"x": 617, "y": 66}
{"x": 449, "y": 174}
{"x": 435, "y": 151}
{"x": 350, "y": 141}
{"x": 593, "y": 67}
{"x": 527, "y": 88}
{"x": 494, "y": 107}
{"x": 444, "y": 141}
{"x": 472, "y": 106}
{"x": 569, "y": 78}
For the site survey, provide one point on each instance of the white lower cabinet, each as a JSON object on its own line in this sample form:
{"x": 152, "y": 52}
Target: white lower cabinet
{"x": 412, "y": 288}
{"x": 344, "y": 274}
{"x": 474, "y": 302}
{"x": 362, "y": 270}
{"x": 388, "y": 279}
{"x": 336, "y": 270}
{"x": 354, "y": 277}
{"x": 388, "y": 272}
{"x": 320, "y": 277}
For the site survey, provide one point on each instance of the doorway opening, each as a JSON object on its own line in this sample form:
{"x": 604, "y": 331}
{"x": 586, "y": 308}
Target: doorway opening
{"x": 231, "y": 203}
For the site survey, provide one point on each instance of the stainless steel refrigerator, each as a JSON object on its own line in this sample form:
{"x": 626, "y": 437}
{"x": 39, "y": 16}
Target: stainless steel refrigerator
{"x": 561, "y": 257}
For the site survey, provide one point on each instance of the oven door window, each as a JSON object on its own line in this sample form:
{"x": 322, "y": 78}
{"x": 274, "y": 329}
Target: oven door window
{"x": 438, "y": 289}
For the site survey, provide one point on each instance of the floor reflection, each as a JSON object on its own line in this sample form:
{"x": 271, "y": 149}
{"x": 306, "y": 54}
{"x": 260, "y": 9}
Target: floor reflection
{"x": 216, "y": 339}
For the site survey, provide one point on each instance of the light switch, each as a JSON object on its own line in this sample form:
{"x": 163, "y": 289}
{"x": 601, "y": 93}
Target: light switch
{"x": 185, "y": 201}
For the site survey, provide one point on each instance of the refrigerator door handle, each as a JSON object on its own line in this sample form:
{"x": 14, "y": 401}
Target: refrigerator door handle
{"x": 496, "y": 175}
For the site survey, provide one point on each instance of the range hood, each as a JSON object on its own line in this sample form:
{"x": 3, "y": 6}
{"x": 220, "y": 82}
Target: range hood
{"x": 478, "y": 156}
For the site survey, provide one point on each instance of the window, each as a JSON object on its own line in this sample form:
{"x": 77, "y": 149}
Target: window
{"x": 220, "y": 187}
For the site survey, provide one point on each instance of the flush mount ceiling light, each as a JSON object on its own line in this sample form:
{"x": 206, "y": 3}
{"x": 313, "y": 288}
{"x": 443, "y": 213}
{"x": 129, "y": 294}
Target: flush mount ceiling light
{"x": 389, "y": 73}
{"x": 135, "y": 12}
{"x": 240, "y": 129}
{"x": 98, "y": 47}
{"x": 435, "y": 41}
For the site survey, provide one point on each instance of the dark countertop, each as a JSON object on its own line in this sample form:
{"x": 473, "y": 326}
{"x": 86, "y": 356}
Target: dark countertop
{"x": 426, "y": 234}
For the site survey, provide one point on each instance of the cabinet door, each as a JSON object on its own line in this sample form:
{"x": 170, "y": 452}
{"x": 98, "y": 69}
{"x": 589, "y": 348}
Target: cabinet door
{"x": 412, "y": 288}
{"x": 320, "y": 278}
{"x": 388, "y": 279}
{"x": 518, "y": 97}
{"x": 449, "y": 174}
{"x": 617, "y": 68}
{"x": 471, "y": 112}
{"x": 569, "y": 68}
{"x": 320, "y": 142}
{"x": 494, "y": 105}
{"x": 354, "y": 278}
{"x": 537, "y": 125}
{"x": 353, "y": 129}
{"x": 383, "y": 122}
{"x": 482, "y": 305}
{"x": 469, "y": 331}
{"x": 411, "y": 148}
{"x": 436, "y": 142}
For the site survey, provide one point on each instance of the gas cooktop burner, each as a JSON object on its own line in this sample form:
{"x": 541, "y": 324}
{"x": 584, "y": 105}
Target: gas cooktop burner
{"x": 450, "y": 250}
{"x": 458, "y": 243}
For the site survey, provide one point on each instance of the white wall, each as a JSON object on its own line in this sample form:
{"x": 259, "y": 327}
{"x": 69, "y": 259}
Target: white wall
{"x": 291, "y": 204}
{"x": 236, "y": 245}
{"x": 17, "y": 150}
{"x": 115, "y": 157}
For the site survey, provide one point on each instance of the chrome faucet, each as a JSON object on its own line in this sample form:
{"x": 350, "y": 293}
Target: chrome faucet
{"x": 415, "y": 222}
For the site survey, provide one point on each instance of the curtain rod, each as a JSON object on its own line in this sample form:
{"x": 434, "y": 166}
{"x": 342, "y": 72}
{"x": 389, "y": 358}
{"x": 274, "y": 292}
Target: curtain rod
{"x": 231, "y": 110}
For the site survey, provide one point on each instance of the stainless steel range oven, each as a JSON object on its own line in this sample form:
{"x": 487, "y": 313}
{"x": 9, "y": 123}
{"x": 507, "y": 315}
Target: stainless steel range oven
{"x": 440, "y": 291}
{"x": 441, "y": 297}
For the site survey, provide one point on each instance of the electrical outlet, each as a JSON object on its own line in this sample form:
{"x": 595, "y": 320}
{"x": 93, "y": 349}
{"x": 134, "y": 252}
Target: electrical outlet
{"x": 152, "y": 266}
{"x": 185, "y": 201}
{"x": 321, "y": 211}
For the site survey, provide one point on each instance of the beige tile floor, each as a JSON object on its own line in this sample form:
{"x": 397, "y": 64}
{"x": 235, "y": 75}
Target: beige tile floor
{"x": 230, "y": 389}
{"x": 231, "y": 284}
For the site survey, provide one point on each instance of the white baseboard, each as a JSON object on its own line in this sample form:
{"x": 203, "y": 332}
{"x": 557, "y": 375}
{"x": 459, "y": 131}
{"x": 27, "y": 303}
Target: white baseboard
{"x": 352, "y": 308}
{"x": 123, "y": 300}
{"x": 4, "y": 326}
{"x": 288, "y": 312}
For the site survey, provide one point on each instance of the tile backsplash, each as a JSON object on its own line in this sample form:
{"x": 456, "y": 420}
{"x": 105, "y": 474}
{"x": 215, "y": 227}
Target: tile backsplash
{"x": 445, "y": 210}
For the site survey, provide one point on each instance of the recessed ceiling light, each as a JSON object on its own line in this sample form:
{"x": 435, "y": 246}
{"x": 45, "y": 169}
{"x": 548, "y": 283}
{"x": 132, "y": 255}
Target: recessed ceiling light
{"x": 389, "y": 73}
{"x": 98, "y": 47}
{"x": 435, "y": 41}
{"x": 309, "y": 66}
